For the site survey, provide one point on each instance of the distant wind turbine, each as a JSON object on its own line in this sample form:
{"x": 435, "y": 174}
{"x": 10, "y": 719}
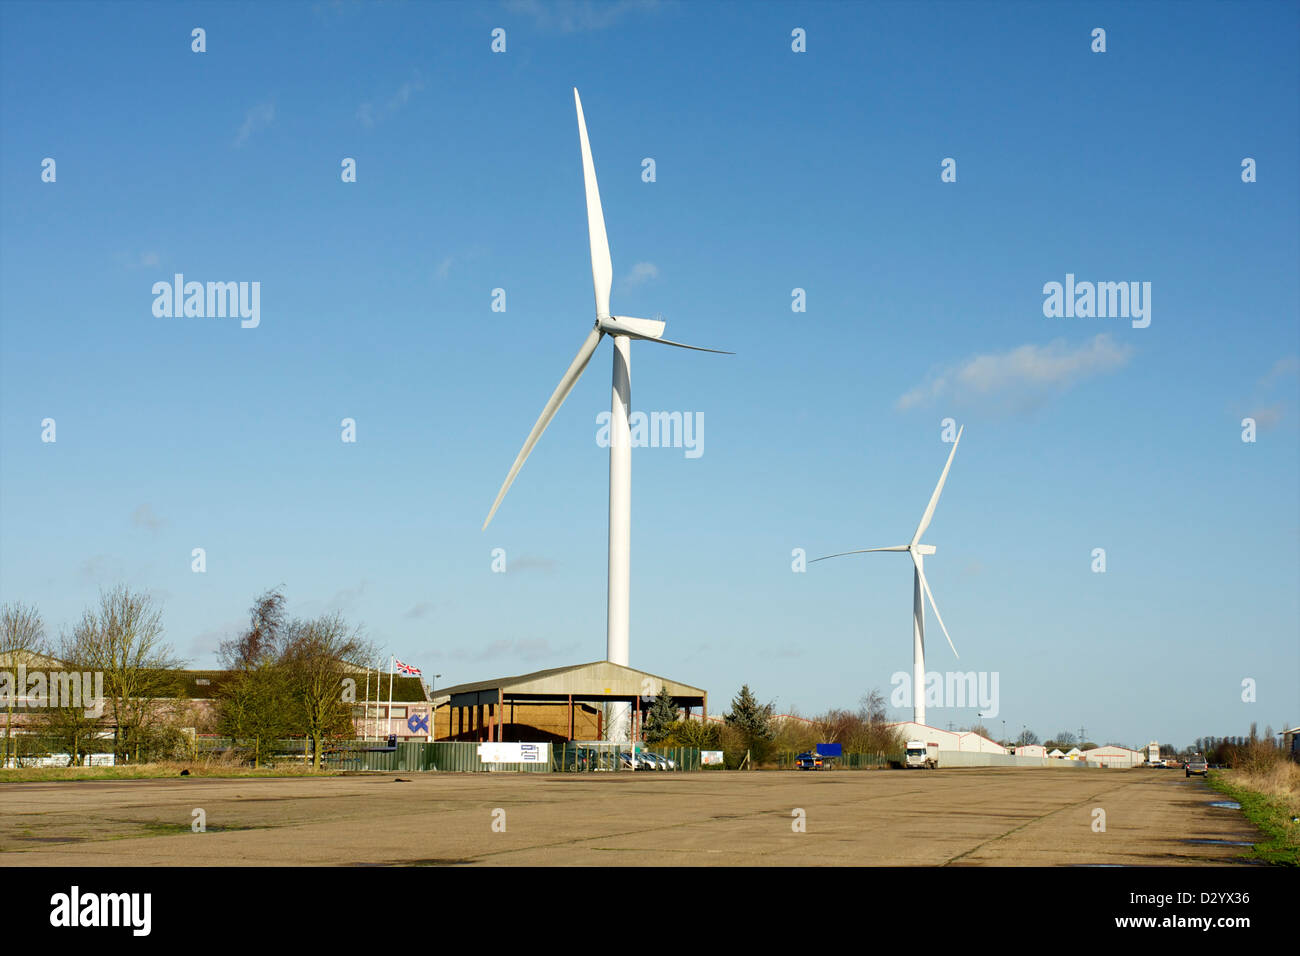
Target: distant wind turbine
{"x": 919, "y": 584}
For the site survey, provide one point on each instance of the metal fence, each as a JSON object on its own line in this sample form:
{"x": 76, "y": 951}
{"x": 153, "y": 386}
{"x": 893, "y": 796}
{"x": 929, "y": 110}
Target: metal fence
{"x": 459, "y": 756}
{"x": 605, "y": 756}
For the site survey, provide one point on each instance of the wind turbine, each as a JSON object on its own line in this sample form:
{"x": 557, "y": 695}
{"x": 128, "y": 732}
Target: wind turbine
{"x": 919, "y": 584}
{"x": 623, "y": 329}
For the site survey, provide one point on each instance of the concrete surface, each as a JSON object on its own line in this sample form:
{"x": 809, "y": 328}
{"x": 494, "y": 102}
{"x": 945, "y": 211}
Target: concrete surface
{"x": 963, "y": 817}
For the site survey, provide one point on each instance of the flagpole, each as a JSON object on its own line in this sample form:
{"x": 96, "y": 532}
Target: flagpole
{"x": 365, "y": 718}
{"x": 388, "y": 717}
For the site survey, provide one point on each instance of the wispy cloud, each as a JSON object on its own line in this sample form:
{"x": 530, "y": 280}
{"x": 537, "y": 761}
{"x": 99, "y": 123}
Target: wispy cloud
{"x": 370, "y": 113}
{"x": 641, "y": 272}
{"x": 1264, "y": 407}
{"x": 1290, "y": 365}
{"x": 534, "y": 649}
{"x": 579, "y": 16}
{"x": 101, "y": 568}
{"x": 418, "y": 611}
{"x": 1266, "y": 416}
{"x": 1022, "y": 378}
{"x": 144, "y": 517}
{"x": 258, "y": 118}
{"x": 444, "y": 268}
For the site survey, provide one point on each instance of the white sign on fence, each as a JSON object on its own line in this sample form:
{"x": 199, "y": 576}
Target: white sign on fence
{"x": 710, "y": 757}
{"x": 514, "y": 753}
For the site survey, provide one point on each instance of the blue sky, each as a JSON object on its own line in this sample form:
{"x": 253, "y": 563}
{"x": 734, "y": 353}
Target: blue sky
{"x": 775, "y": 170}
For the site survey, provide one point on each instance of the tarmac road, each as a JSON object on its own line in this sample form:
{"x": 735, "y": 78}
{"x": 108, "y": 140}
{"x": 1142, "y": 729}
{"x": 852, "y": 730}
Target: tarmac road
{"x": 959, "y": 817}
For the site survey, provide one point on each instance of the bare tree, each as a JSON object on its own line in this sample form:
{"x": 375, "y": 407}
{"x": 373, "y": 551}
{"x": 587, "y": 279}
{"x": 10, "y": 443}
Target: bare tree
{"x": 317, "y": 658}
{"x": 22, "y": 637}
{"x": 262, "y": 640}
{"x": 253, "y": 700}
{"x": 123, "y": 639}
{"x": 70, "y": 724}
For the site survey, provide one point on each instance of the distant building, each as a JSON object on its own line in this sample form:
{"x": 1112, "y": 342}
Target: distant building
{"x": 1031, "y": 750}
{"x": 963, "y": 741}
{"x": 1290, "y": 743}
{"x": 1114, "y": 757}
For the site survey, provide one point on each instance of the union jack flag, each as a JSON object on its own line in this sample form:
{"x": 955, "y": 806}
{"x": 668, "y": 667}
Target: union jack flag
{"x": 406, "y": 669}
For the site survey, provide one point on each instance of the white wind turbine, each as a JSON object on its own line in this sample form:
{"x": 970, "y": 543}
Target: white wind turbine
{"x": 919, "y": 584}
{"x": 623, "y": 329}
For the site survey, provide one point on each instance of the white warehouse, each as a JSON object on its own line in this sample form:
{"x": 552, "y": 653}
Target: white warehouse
{"x": 961, "y": 741}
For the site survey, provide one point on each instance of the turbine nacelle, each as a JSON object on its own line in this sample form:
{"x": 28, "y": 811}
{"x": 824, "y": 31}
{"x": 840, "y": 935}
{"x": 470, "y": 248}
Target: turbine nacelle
{"x": 627, "y": 325}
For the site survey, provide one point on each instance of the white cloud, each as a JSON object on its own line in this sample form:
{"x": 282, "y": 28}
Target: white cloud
{"x": 444, "y": 268}
{"x": 1290, "y": 365}
{"x": 369, "y": 114}
{"x": 258, "y": 118}
{"x": 1267, "y": 416}
{"x": 1021, "y": 378}
{"x": 641, "y": 272}
{"x": 149, "y": 259}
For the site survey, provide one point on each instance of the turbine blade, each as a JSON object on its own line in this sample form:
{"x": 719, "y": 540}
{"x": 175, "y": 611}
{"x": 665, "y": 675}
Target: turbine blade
{"x": 938, "y": 489}
{"x": 899, "y": 547}
{"x": 557, "y": 399}
{"x": 683, "y": 345}
{"x": 602, "y": 271}
{"x": 925, "y": 586}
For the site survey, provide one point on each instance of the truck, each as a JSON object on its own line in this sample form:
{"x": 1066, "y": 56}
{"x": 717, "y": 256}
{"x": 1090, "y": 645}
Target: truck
{"x": 921, "y": 753}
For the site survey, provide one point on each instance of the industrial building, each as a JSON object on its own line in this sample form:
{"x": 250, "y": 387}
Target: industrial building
{"x": 962, "y": 741}
{"x": 1115, "y": 757}
{"x": 562, "y": 703}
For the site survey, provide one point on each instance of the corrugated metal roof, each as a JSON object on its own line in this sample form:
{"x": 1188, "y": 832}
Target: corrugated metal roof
{"x": 597, "y": 679}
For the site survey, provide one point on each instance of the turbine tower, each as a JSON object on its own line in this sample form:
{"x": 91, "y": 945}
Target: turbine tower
{"x": 919, "y": 584}
{"x": 623, "y": 329}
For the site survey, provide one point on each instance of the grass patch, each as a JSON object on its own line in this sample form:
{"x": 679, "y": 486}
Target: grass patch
{"x": 152, "y": 771}
{"x": 1270, "y": 799}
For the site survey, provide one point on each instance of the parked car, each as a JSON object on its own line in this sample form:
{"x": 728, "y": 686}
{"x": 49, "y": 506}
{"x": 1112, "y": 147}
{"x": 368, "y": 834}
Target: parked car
{"x": 811, "y": 760}
{"x": 1197, "y": 765}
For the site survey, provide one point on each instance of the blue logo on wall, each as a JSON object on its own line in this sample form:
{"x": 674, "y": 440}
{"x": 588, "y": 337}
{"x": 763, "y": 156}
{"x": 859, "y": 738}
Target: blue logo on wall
{"x": 418, "y": 723}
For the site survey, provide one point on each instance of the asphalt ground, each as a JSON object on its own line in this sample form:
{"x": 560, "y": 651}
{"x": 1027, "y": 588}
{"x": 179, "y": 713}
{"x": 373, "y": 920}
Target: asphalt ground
{"x": 952, "y": 817}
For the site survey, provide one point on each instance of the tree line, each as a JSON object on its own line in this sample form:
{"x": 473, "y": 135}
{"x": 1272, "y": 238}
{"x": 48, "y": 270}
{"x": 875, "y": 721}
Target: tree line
{"x": 286, "y": 677}
{"x": 750, "y": 729}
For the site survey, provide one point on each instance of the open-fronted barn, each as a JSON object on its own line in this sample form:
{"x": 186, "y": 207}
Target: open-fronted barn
{"x": 563, "y": 703}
